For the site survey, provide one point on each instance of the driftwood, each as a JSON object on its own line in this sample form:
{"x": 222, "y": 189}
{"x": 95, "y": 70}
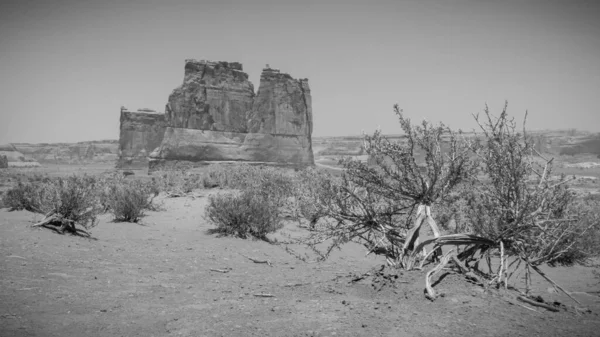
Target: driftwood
{"x": 52, "y": 220}
{"x": 430, "y": 294}
{"x": 512, "y": 302}
{"x": 463, "y": 269}
{"x": 263, "y": 295}
{"x": 537, "y": 304}
{"x": 221, "y": 270}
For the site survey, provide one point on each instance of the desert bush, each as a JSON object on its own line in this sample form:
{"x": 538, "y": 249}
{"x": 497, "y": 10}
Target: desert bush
{"x": 376, "y": 203}
{"x": 522, "y": 206}
{"x": 312, "y": 193}
{"x": 500, "y": 188}
{"x": 64, "y": 201}
{"x": 452, "y": 212}
{"x": 3, "y": 162}
{"x": 263, "y": 194}
{"x": 273, "y": 184}
{"x": 127, "y": 201}
{"x": 24, "y": 196}
{"x": 244, "y": 214}
{"x": 29, "y": 193}
{"x": 581, "y": 239}
{"x": 177, "y": 183}
{"x": 244, "y": 176}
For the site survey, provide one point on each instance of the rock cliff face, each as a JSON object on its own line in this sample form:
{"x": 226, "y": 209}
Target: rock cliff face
{"x": 214, "y": 96}
{"x": 282, "y": 106}
{"x": 141, "y": 132}
{"x": 215, "y": 116}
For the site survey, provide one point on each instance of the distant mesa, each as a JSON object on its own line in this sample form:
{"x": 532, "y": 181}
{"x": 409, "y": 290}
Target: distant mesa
{"x": 11, "y": 157}
{"x": 215, "y": 115}
{"x": 101, "y": 151}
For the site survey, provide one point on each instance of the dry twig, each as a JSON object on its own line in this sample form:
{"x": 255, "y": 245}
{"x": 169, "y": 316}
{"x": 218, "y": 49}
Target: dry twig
{"x": 256, "y": 260}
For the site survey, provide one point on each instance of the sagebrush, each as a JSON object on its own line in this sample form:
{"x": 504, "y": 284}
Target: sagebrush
{"x": 244, "y": 214}
{"x": 127, "y": 201}
{"x": 65, "y": 202}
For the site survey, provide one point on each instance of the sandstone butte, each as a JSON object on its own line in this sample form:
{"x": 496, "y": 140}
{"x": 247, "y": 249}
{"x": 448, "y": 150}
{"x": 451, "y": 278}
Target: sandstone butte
{"x": 215, "y": 116}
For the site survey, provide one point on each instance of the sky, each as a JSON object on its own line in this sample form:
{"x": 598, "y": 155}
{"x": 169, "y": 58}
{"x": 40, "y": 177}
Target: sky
{"x": 67, "y": 66}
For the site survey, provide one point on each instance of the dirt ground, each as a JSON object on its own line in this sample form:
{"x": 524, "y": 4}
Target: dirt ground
{"x": 169, "y": 277}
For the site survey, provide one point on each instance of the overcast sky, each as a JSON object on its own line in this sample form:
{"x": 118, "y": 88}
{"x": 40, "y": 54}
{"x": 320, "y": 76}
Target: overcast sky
{"x": 66, "y": 67}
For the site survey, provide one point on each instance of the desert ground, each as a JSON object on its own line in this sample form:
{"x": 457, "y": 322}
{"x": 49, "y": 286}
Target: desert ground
{"x": 167, "y": 276}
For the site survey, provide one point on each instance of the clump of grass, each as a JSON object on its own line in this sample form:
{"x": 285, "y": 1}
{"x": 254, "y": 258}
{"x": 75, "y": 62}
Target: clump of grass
{"x": 245, "y": 214}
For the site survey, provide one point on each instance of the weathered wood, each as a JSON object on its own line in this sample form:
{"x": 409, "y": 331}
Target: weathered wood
{"x": 537, "y": 304}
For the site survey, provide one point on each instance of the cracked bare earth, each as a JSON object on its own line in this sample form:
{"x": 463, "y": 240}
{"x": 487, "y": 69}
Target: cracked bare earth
{"x": 168, "y": 277}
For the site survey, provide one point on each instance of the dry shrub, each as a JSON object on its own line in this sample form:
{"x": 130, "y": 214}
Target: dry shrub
{"x": 582, "y": 241}
{"x": 270, "y": 180}
{"x": 24, "y": 196}
{"x": 313, "y": 193}
{"x": 28, "y": 193}
{"x": 528, "y": 213}
{"x": 245, "y": 214}
{"x": 499, "y": 188}
{"x": 522, "y": 204}
{"x": 264, "y": 193}
{"x": 375, "y": 203}
{"x": 64, "y": 201}
{"x": 177, "y": 183}
{"x": 127, "y": 201}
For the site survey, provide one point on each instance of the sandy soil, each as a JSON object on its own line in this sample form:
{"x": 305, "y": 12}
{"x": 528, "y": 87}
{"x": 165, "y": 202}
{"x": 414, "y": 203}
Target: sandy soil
{"x": 165, "y": 278}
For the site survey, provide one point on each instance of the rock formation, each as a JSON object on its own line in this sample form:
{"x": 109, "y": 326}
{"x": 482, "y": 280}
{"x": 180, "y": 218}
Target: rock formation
{"x": 215, "y": 116}
{"x": 141, "y": 132}
{"x": 213, "y": 96}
